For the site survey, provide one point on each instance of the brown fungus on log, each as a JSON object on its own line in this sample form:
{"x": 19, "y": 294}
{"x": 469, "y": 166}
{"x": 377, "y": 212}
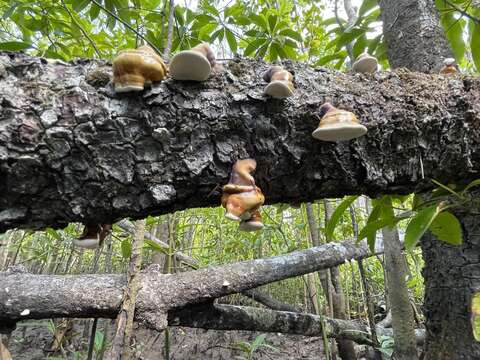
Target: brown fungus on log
{"x": 132, "y": 69}
{"x": 242, "y": 198}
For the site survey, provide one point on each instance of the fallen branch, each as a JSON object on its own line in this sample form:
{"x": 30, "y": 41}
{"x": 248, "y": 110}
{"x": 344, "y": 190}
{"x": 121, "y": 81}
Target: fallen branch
{"x": 254, "y": 294}
{"x": 227, "y": 317}
{"x": 23, "y": 295}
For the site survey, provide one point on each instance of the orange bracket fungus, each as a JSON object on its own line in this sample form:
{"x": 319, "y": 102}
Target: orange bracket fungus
{"x": 242, "y": 198}
{"x": 366, "y": 64}
{"x": 280, "y": 82}
{"x": 93, "y": 236}
{"x": 338, "y": 125}
{"x": 194, "y": 64}
{"x": 132, "y": 69}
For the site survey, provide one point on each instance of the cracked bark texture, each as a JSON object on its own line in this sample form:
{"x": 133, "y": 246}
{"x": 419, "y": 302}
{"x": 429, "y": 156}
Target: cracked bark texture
{"x": 452, "y": 276}
{"x": 414, "y": 36}
{"x": 72, "y": 150}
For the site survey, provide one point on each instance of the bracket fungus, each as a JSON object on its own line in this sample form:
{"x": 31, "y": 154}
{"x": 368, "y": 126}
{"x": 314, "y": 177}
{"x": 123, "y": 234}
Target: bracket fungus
{"x": 242, "y": 198}
{"x": 133, "y": 68}
{"x": 338, "y": 125}
{"x": 449, "y": 67}
{"x": 280, "y": 82}
{"x": 365, "y": 64}
{"x": 93, "y": 236}
{"x": 195, "y": 64}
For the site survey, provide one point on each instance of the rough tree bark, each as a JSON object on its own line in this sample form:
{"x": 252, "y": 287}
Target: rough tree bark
{"x": 452, "y": 275}
{"x": 415, "y": 39}
{"x": 402, "y": 314}
{"x": 72, "y": 150}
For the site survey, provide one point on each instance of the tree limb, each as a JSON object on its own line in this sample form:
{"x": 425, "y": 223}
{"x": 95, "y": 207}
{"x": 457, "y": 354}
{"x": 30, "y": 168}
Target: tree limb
{"x": 227, "y": 317}
{"x": 73, "y": 150}
{"x": 23, "y": 295}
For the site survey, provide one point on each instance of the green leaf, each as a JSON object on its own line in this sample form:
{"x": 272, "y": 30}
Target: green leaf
{"x": 259, "y": 21}
{"x": 211, "y": 9}
{"x": 328, "y": 58}
{"x": 9, "y": 11}
{"x": 366, "y": 6}
{"x": 254, "y": 45}
{"x": 475, "y": 46}
{"x": 359, "y": 46}
{"x": 262, "y": 51}
{"x": 291, "y": 34}
{"x": 449, "y": 189}
{"x": 272, "y": 21}
{"x": 217, "y": 34}
{"x": 98, "y": 340}
{"x": 418, "y": 225}
{"x": 469, "y": 186}
{"x": 53, "y": 233}
{"x": 348, "y": 37}
{"x": 454, "y": 32}
{"x": 15, "y": 45}
{"x": 259, "y": 340}
{"x": 290, "y": 43}
{"x": 234, "y": 10}
{"x": 126, "y": 246}
{"x": 94, "y": 12}
{"x": 372, "y": 46}
{"x": 206, "y": 30}
{"x": 178, "y": 11}
{"x": 337, "y": 214}
{"x": 79, "y": 5}
{"x": 369, "y": 231}
{"x": 475, "y": 315}
{"x": 243, "y": 20}
{"x": 280, "y": 51}
{"x": 381, "y": 215}
{"x": 446, "y": 227}
{"x": 273, "y": 53}
{"x": 329, "y": 21}
{"x": 232, "y": 42}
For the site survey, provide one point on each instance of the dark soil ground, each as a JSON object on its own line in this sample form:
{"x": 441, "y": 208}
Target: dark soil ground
{"x": 30, "y": 341}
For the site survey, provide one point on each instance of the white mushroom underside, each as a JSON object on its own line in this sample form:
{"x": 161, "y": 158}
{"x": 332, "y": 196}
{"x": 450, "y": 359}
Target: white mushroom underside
{"x": 365, "y": 65}
{"x": 190, "y": 65}
{"x": 230, "y": 216}
{"x": 278, "y": 89}
{"x": 123, "y": 88}
{"x": 339, "y": 132}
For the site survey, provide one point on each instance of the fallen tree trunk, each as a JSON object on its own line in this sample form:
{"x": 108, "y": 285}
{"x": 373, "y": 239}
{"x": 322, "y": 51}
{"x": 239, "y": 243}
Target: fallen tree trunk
{"x": 227, "y": 317}
{"x": 25, "y": 296}
{"x": 72, "y": 150}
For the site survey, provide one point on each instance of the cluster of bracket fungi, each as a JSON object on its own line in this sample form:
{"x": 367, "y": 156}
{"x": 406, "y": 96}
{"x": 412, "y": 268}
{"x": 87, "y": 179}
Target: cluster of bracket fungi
{"x": 241, "y": 198}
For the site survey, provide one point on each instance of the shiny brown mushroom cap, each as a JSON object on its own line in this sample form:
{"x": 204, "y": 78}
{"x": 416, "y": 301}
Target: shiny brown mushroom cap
{"x": 143, "y": 61}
